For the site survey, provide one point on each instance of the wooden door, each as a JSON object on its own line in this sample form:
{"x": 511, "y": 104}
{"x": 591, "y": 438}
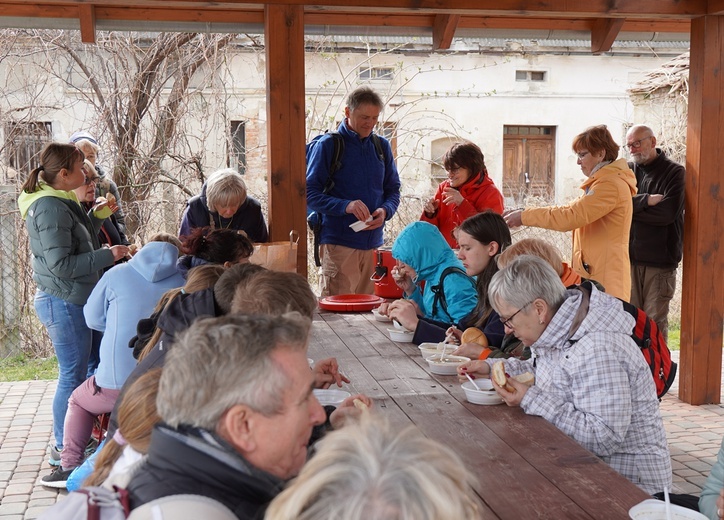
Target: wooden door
{"x": 528, "y": 159}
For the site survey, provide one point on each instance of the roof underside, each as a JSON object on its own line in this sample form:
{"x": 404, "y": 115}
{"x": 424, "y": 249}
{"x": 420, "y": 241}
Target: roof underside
{"x": 603, "y": 21}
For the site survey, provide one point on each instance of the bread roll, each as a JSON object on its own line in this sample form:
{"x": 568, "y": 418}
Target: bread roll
{"x": 474, "y": 335}
{"x": 498, "y": 374}
{"x": 110, "y": 198}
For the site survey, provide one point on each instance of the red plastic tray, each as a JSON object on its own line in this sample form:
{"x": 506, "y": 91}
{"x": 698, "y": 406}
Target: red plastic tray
{"x": 350, "y": 302}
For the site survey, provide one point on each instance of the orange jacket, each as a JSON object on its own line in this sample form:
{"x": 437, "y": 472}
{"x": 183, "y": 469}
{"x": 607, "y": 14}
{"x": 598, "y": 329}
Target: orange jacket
{"x": 476, "y": 198}
{"x": 601, "y": 222}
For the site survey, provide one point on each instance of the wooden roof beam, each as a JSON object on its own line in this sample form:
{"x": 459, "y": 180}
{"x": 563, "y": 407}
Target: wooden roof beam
{"x": 550, "y": 8}
{"x": 604, "y": 32}
{"x": 716, "y": 7}
{"x": 87, "y": 15}
{"x": 443, "y": 30}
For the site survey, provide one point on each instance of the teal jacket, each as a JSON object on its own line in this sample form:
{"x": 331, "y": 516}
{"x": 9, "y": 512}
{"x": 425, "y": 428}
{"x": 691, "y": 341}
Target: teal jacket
{"x": 66, "y": 258}
{"x": 713, "y": 486}
{"x": 421, "y": 246}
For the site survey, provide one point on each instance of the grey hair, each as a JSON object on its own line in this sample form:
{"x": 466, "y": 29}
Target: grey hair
{"x": 221, "y": 362}
{"x": 225, "y": 187}
{"x": 525, "y": 279}
{"x": 371, "y": 469}
{"x": 364, "y": 96}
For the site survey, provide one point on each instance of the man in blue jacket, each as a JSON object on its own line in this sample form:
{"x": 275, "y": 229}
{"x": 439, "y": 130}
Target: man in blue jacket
{"x": 366, "y": 188}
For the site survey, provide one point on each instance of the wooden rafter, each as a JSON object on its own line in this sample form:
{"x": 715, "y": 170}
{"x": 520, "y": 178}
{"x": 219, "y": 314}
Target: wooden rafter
{"x": 443, "y": 30}
{"x": 553, "y": 8}
{"x": 87, "y": 15}
{"x": 604, "y": 32}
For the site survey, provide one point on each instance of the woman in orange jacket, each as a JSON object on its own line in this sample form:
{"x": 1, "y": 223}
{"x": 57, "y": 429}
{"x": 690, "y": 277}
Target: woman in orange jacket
{"x": 468, "y": 190}
{"x": 600, "y": 218}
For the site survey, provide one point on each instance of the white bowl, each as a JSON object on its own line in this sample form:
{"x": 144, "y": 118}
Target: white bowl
{"x": 330, "y": 396}
{"x": 380, "y": 317}
{"x": 430, "y": 349}
{"x": 401, "y": 336}
{"x": 486, "y": 395}
{"x": 652, "y": 509}
{"x": 447, "y": 367}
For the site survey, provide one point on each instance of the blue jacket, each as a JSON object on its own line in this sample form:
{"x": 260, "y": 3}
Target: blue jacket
{"x": 248, "y": 218}
{"x": 362, "y": 176}
{"x": 125, "y": 294}
{"x": 421, "y": 246}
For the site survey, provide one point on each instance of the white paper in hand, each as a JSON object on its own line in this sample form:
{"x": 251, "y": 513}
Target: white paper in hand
{"x": 359, "y": 225}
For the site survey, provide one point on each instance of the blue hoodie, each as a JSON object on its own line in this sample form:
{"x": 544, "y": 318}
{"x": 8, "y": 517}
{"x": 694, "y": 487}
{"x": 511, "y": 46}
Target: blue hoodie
{"x": 124, "y": 295}
{"x": 421, "y": 246}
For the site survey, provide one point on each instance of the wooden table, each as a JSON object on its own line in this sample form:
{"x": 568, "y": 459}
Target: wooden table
{"x": 526, "y": 467}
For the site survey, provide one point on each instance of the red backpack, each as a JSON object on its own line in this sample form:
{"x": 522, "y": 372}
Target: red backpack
{"x": 649, "y": 339}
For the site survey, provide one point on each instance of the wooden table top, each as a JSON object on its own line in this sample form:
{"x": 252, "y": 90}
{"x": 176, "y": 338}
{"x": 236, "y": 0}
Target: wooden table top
{"x": 526, "y": 467}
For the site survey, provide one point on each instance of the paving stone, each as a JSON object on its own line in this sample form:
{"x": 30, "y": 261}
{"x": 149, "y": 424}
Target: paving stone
{"x": 19, "y": 489}
{"x": 12, "y": 508}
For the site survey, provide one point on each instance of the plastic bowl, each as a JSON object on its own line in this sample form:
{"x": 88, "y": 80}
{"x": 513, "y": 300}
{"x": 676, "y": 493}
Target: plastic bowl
{"x": 330, "y": 396}
{"x": 487, "y": 394}
{"x": 401, "y": 336}
{"x": 656, "y": 510}
{"x": 447, "y": 367}
{"x": 430, "y": 349}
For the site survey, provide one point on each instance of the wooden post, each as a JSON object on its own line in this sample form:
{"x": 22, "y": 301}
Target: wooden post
{"x": 703, "y": 287}
{"x": 286, "y": 162}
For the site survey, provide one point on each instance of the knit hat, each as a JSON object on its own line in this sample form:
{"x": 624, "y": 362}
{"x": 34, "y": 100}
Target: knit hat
{"x": 78, "y": 136}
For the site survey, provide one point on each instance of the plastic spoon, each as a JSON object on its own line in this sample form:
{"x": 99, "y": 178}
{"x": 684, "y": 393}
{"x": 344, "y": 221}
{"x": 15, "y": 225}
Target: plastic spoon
{"x": 473, "y": 382}
{"x": 668, "y": 503}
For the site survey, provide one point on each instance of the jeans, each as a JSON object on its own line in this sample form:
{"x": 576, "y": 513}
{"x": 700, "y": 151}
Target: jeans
{"x": 72, "y": 344}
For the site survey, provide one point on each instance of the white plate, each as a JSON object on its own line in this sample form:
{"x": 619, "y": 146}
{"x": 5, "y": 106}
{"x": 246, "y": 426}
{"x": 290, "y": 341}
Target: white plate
{"x": 652, "y": 509}
{"x": 449, "y": 368}
{"x": 400, "y": 336}
{"x": 330, "y": 396}
{"x": 486, "y": 396}
{"x": 380, "y": 317}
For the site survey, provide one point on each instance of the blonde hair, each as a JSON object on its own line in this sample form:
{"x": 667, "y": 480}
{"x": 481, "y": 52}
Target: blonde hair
{"x": 224, "y": 188}
{"x": 535, "y": 247}
{"x": 370, "y": 469}
{"x": 137, "y": 416}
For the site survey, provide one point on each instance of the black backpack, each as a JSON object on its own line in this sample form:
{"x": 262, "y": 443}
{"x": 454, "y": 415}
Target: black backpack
{"x": 314, "y": 219}
{"x": 439, "y": 291}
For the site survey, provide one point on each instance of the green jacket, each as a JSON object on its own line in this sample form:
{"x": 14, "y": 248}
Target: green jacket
{"x": 66, "y": 256}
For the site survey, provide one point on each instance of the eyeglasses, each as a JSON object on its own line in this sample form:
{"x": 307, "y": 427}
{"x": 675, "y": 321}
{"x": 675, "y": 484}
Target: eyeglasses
{"x": 636, "y": 144}
{"x": 507, "y": 322}
{"x": 454, "y": 170}
{"x": 581, "y": 155}
{"x": 91, "y": 180}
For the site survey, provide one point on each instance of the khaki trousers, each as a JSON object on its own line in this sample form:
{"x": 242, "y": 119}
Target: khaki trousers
{"x": 652, "y": 288}
{"x": 345, "y": 270}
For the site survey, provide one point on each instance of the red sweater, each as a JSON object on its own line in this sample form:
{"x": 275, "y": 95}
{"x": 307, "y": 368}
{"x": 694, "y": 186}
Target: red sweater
{"x": 476, "y": 198}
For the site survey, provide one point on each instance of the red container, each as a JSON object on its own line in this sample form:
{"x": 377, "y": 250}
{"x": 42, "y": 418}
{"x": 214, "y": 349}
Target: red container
{"x": 385, "y": 286}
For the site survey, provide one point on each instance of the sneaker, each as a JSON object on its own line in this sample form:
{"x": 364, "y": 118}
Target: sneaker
{"x": 90, "y": 448}
{"x": 57, "y": 479}
{"x": 53, "y": 455}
